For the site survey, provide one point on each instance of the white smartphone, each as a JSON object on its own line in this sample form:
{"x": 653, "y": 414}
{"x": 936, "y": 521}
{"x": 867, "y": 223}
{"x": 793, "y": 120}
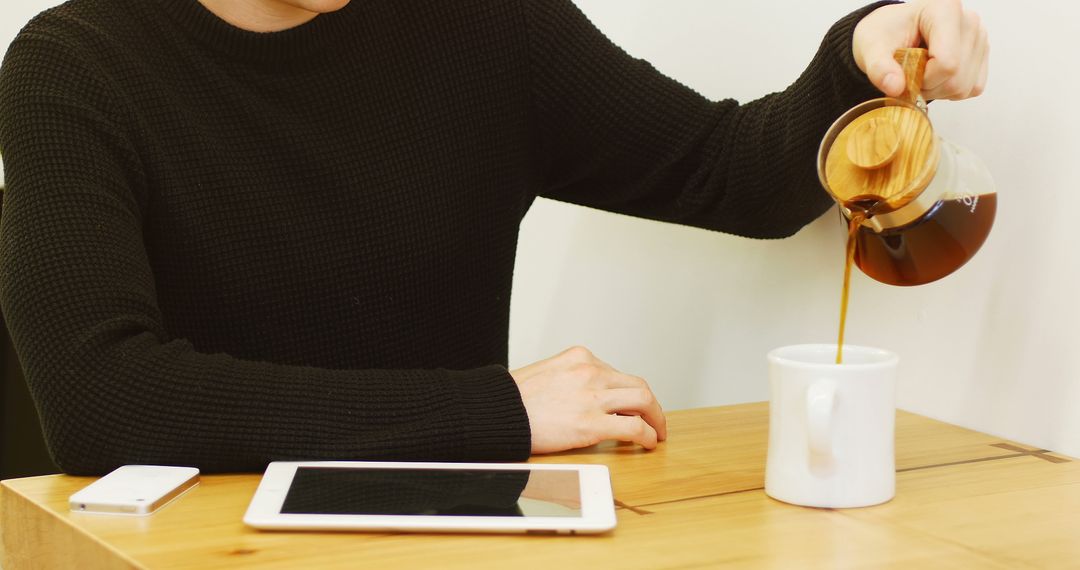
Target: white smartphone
{"x": 134, "y": 489}
{"x": 433, "y": 497}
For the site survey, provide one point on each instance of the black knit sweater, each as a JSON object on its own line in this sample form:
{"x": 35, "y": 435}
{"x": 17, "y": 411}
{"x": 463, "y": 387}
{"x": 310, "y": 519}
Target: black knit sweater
{"x": 221, "y": 248}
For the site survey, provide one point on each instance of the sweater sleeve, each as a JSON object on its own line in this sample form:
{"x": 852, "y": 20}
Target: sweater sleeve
{"x": 111, "y": 383}
{"x": 617, "y": 135}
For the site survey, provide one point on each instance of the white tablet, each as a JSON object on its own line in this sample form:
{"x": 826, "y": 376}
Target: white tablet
{"x": 433, "y": 497}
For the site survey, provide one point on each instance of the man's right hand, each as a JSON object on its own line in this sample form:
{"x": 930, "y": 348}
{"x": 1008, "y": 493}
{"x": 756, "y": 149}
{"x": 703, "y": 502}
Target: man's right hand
{"x": 576, "y": 400}
{"x": 955, "y": 37}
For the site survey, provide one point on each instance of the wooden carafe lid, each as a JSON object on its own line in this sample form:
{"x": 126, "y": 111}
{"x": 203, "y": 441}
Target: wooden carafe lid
{"x": 889, "y": 153}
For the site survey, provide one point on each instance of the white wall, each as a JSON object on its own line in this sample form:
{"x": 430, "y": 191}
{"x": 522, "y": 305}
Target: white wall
{"x": 992, "y": 347}
{"x": 13, "y": 16}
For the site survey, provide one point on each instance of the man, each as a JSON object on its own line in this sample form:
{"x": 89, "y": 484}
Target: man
{"x": 243, "y": 231}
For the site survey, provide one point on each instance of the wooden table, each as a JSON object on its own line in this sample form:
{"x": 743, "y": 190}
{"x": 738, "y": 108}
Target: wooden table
{"x": 964, "y": 500}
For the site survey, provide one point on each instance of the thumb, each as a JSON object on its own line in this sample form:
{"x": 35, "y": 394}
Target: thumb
{"x": 876, "y": 38}
{"x": 884, "y": 72}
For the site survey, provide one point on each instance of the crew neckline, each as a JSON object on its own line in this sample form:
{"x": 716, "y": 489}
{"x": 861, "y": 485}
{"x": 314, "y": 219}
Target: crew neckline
{"x": 290, "y": 44}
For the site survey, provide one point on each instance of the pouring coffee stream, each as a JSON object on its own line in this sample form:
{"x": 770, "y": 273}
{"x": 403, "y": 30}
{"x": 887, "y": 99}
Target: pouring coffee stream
{"x": 918, "y": 207}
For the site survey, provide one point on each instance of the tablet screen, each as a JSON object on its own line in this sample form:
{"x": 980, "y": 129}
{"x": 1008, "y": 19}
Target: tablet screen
{"x": 446, "y": 492}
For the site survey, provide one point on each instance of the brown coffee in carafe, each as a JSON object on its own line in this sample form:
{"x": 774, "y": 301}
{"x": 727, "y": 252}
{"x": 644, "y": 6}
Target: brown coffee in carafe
{"x": 929, "y": 248}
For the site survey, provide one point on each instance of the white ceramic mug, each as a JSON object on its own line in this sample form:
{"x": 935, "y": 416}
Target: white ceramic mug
{"x": 831, "y": 426}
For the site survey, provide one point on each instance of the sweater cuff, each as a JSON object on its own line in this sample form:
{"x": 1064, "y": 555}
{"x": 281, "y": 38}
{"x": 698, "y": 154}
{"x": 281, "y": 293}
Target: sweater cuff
{"x": 840, "y": 40}
{"x": 494, "y": 423}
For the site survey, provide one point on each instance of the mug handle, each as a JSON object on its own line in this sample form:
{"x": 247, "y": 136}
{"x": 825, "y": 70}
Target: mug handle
{"x": 820, "y": 402}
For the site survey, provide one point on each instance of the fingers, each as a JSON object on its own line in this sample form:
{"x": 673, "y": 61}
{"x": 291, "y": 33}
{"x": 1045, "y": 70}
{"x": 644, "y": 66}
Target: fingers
{"x": 627, "y": 394}
{"x": 959, "y": 50}
{"x": 942, "y": 25}
{"x": 983, "y": 54}
{"x": 628, "y": 428}
{"x": 637, "y": 402}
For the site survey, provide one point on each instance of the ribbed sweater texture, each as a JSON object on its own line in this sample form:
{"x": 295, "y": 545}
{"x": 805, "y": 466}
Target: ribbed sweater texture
{"x": 221, "y": 248}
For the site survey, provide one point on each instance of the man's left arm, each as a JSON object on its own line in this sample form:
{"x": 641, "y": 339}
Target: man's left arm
{"x": 615, "y": 134}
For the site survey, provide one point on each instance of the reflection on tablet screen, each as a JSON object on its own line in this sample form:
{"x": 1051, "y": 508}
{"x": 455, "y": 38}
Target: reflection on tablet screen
{"x": 445, "y": 492}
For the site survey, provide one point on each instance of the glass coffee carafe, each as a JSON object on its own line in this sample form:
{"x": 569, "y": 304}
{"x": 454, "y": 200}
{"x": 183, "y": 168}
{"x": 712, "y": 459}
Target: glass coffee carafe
{"x": 923, "y": 205}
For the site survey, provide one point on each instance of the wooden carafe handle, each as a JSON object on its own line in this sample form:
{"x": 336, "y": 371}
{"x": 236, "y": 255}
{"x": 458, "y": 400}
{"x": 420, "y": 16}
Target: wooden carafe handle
{"x": 913, "y": 61}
